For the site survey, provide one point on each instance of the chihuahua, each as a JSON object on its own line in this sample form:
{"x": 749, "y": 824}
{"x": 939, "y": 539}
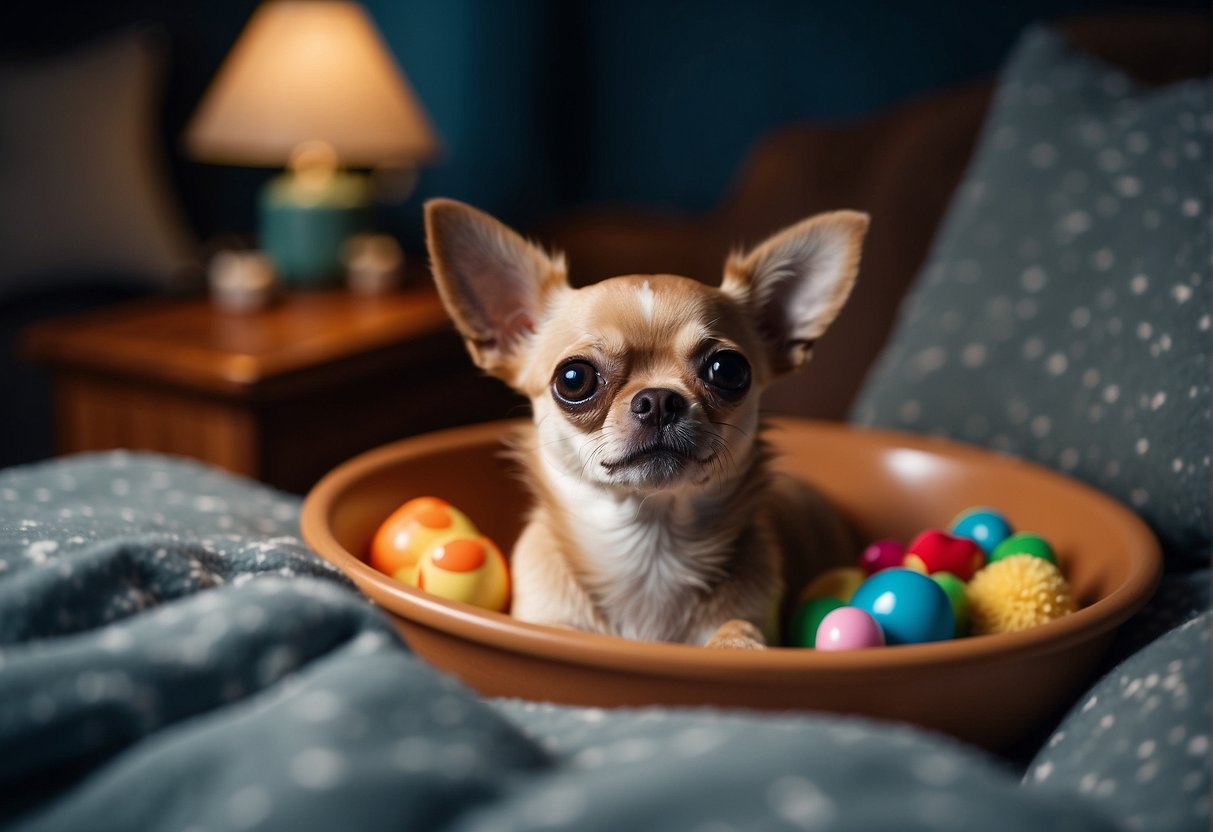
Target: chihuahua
{"x": 656, "y": 515}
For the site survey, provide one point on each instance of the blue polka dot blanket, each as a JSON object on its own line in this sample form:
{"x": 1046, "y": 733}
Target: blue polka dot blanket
{"x": 172, "y": 657}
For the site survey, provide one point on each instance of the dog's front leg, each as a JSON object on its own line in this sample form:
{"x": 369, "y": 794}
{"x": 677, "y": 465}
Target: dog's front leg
{"x": 737, "y": 635}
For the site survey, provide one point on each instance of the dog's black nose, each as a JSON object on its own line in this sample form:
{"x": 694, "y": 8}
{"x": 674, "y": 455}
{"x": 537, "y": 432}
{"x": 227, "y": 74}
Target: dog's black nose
{"x": 658, "y": 406}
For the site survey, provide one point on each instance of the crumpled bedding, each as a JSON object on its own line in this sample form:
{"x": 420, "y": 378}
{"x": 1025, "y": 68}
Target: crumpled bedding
{"x": 172, "y": 657}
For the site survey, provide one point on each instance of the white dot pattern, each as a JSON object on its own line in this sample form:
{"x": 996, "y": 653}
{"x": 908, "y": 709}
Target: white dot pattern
{"x": 1084, "y": 308}
{"x": 1141, "y": 740}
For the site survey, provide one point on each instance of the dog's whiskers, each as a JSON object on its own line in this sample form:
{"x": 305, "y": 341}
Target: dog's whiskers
{"x": 731, "y": 425}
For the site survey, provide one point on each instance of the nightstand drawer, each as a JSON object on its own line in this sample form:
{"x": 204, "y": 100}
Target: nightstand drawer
{"x": 281, "y": 395}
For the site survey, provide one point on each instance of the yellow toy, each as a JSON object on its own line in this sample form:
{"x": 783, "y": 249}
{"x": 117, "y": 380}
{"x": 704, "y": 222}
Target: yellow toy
{"x": 1016, "y": 593}
{"x": 430, "y": 544}
{"x": 412, "y": 529}
{"x": 471, "y": 570}
{"x": 839, "y": 583}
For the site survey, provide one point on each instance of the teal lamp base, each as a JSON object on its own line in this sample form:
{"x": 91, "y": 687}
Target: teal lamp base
{"x": 304, "y": 225}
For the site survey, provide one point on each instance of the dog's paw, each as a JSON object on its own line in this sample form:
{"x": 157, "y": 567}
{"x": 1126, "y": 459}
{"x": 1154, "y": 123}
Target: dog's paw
{"x": 735, "y": 644}
{"x": 737, "y": 635}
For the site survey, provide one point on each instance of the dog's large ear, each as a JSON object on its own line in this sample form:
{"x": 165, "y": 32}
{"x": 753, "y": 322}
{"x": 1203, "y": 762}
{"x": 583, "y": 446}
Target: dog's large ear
{"x": 492, "y": 281}
{"x": 796, "y": 282}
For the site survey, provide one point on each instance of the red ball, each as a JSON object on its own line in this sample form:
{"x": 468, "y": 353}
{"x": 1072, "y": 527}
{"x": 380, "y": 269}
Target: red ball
{"x": 883, "y": 554}
{"x": 935, "y": 551}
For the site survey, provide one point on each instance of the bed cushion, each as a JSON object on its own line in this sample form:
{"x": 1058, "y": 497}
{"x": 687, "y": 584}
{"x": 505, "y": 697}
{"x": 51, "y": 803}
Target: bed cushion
{"x": 1064, "y": 314}
{"x": 1138, "y": 743}
{"x": 172, "y": 657}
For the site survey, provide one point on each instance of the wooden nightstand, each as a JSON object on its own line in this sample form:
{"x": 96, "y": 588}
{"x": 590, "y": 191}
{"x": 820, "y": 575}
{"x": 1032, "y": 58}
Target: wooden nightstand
{"x": 281, "y": 395}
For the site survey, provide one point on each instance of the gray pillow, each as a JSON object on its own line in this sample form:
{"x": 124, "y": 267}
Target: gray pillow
{"x": 83, "y": 194}
{"x": 1064, "y": 314}
{"x": 1137, "y": 745}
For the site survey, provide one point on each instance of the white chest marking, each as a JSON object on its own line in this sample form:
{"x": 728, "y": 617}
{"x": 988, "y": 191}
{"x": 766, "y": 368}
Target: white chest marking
{"x": 646, "y": 296}
{"x": 645, "y": 564}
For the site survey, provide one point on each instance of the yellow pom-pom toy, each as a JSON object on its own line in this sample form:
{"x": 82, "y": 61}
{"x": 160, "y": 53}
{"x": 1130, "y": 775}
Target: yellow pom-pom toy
{"x": 1016, "y": 593}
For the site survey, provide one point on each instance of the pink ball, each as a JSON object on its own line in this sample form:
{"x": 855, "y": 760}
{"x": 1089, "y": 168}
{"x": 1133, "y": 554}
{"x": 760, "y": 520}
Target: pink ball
{"x": 883, "y": 554}
{"x": 849, "y": 628}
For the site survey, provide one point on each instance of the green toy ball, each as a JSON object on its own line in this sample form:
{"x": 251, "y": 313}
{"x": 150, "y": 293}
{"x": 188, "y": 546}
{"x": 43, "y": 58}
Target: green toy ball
{"x": 802, "y": 631}
{"x": 954, "y": 588}
{"x": 1024, "y": 543}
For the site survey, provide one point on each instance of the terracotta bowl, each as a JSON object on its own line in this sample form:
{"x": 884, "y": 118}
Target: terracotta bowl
{"x": 989, "y": 690}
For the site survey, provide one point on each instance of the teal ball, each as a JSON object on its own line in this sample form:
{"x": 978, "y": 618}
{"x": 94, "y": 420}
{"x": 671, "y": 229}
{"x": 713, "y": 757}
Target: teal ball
{"x": 984, "y": 526}
{"x": 909, "y": 606}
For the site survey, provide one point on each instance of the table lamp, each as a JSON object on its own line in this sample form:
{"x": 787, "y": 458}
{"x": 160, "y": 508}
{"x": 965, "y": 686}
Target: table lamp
{"x": 309, "y": 84}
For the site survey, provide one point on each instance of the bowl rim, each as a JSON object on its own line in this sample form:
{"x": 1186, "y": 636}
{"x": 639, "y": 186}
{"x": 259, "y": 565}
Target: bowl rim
{"x": 503, "y": 632}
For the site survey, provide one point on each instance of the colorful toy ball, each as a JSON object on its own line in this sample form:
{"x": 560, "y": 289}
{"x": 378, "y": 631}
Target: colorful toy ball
{"x": 410, "y": 530}
{"x": 985, "y": 526}
{"x": 909, "y": 607}
{"x": 954, "y": 588}
{"x": 1015, "y": 593}
{"x": 883, "y": 554}
{"x": 1024, "y": 543}
{"x": 471, "y": 570}
{"x": 849, "y": 628}
{"x": 839, "y": 583}
{"x": 936, "y": 551}
{"x": 802, "y": 631}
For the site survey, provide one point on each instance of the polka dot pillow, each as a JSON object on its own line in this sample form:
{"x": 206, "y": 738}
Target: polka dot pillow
{"x": 1064, "y": 314}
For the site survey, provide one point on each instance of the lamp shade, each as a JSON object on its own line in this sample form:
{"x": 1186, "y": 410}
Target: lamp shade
{"x": 310, "y": 70}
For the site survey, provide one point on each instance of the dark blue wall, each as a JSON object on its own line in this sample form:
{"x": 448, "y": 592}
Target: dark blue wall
{"x": 547, "y": 104}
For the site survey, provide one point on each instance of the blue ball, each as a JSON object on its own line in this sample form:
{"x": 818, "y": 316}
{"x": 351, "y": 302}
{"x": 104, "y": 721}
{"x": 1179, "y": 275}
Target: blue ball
{"x": 984, "y": 526}
{"x": 909, "y": 606}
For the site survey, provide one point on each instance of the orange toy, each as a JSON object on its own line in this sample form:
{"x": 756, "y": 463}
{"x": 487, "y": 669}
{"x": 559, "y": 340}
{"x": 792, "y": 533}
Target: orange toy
{"x": 432, "y": 545}
{"x": 410, "y": 530}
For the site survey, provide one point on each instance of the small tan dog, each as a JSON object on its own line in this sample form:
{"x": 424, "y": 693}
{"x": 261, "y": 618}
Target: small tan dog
{"x": 656, "y": 516}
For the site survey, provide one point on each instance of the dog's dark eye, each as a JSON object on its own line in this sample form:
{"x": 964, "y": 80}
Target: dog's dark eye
{"x": 575, "y": 382}
{"x": 728, "y": 372}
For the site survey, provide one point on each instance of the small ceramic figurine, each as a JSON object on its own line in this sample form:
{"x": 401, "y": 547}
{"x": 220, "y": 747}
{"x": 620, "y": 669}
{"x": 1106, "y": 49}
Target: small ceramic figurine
{"x": 241, "y": 281}
{"x": 374, "y": 264}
